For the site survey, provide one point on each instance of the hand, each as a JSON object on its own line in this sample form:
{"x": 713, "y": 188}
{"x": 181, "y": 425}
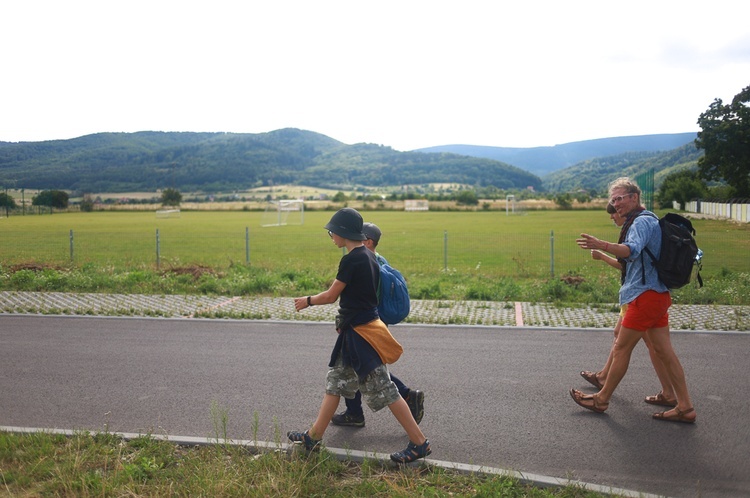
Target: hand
{"x": 589, "y": 242}
{"x": 300, "y": 303}
{"x": 595, "y": 254}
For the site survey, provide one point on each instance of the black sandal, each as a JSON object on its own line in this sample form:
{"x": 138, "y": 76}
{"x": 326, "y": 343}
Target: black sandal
{"x": 304, "y": 438}
{"x": 412, "y": 452}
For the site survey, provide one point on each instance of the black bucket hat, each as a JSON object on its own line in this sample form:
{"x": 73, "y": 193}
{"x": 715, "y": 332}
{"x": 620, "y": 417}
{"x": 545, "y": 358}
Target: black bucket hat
{"x": 346, "y": 223}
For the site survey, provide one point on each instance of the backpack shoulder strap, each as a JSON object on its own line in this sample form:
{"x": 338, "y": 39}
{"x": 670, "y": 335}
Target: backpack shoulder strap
{"x": 645, "y": 248}
{"x": 654, "y": 260}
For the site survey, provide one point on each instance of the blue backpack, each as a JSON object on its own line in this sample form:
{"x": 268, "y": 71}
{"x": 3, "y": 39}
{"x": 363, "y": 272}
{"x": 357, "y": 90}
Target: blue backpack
{"x": 393, "y": 295}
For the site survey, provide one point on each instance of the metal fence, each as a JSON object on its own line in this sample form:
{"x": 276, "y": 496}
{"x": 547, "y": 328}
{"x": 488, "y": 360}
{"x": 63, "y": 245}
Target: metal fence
{"x": 524, "y": 255}
{"x": 465, "y": 252}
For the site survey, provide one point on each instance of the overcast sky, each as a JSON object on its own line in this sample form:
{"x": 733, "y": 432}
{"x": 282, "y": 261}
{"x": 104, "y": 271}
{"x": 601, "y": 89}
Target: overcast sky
{"x": 406, "y": 74}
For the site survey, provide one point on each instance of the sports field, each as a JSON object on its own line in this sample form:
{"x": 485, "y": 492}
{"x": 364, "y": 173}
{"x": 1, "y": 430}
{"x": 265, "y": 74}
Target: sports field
{"x": 535, "y": 244}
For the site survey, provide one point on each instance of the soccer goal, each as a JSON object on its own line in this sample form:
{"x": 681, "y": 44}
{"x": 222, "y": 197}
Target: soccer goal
{"x": 284, "y": 212}
{"x": 513, "y": 207}
{"x": 416, "y": 205}
{"x": 168, "y": 213}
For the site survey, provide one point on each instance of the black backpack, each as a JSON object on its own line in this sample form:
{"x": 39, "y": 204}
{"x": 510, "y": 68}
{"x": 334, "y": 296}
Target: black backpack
{"x": 679, "y": 252}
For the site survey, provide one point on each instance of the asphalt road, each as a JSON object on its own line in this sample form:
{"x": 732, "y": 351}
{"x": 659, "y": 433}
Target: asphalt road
{"x": 493, "y": 396}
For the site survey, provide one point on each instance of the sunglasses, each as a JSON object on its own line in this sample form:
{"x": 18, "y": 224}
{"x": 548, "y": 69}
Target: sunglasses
{"x": 330, "y": 234}
{"x": 619, "y": 198}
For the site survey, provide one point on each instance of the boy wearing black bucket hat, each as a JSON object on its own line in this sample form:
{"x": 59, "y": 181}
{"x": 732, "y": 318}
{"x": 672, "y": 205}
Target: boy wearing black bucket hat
{"x": 354, "y": 416}
{"x": 364, "y": 345}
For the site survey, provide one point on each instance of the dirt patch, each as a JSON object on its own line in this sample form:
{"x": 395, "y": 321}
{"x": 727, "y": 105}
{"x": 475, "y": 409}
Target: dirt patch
{"x": 573, "y": 280}
{"x": 196, "y": 271}
{"x": 36, "y": 267}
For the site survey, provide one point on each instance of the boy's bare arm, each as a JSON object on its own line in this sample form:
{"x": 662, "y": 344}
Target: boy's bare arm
{"x": 326, "y": 297}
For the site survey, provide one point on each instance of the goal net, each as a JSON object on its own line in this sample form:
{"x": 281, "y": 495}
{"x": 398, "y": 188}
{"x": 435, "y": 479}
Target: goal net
{"x": 168, "y": 213}
{"x": 512, "y": 206}
{"x": 416, "y": 205}
{"x": 284, "y": 212}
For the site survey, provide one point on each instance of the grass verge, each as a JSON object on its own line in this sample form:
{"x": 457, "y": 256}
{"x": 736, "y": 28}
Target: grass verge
{"x": 725, "y": 288}
{"x": 42, "y": 464}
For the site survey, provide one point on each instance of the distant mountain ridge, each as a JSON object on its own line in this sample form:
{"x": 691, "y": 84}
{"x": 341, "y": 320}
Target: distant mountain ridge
{"x": 542, "y": 161}
{"x": 221, "y": 162}
{"x": 213, "y": 162}
{"x": 596, "y": 173}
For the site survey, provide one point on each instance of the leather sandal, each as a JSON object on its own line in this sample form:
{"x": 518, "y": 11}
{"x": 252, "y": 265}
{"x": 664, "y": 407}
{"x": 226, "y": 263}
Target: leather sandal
{"x": 679, "y": 416}
{"x": 660, "y": 399}
{"x": 592, "y": 379}
{"x": 594, "y": 405}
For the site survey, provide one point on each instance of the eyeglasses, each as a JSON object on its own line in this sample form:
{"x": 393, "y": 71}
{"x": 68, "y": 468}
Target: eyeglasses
{"x": 619, "y": 198}
{"x": 330, "y": 234}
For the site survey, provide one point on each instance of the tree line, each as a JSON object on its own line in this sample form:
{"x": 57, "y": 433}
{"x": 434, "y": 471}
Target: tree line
{"x": 722, "y": 173}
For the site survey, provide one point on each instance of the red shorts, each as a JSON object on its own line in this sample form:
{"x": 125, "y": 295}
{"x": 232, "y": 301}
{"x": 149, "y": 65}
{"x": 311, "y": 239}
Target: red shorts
{"x": 648, "y": 311}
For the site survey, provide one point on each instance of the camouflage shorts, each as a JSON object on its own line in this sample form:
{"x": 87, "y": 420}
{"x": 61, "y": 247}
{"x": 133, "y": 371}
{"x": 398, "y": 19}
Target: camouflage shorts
{"x": 377, "y": 388}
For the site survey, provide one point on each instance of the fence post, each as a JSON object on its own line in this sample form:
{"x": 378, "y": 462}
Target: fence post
{"x": 157, "y": 249}
{"x": 552, "y": 253}
{"x": 445, "y": 250}
{"x": 247, "y": 245}
{"x": 71, "y": 245}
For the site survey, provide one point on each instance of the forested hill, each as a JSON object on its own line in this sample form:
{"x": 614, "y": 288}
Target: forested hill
{"x": 595, "y": 174}
{"x": 545, "y": 160}
{"x": 146, "y": 161}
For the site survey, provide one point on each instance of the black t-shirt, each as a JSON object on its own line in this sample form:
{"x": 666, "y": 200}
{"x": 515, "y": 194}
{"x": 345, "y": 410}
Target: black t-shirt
{"x": 360, "y": 271}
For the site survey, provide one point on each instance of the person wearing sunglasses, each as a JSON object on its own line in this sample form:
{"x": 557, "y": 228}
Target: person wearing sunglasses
{"x": 648, "y": 301}
{"x": 666, "y": 396}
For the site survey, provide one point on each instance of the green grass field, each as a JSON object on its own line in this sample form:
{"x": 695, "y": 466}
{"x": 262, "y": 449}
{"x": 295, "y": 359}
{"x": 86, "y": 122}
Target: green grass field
{"x": 469, "y": 255}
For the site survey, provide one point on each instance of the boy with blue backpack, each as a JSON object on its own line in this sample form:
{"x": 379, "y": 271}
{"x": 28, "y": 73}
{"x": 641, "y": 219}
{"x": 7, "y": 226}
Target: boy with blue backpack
{"x": 354, "y": 416}
{"x": 364, "y": 346}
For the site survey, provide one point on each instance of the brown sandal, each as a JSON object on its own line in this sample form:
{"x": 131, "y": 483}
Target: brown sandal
{"x": 660, "y": 399}
{"x": 592, "y": 379}
{"x": 679, "y": 416}
{"x": 595, "y": 405}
